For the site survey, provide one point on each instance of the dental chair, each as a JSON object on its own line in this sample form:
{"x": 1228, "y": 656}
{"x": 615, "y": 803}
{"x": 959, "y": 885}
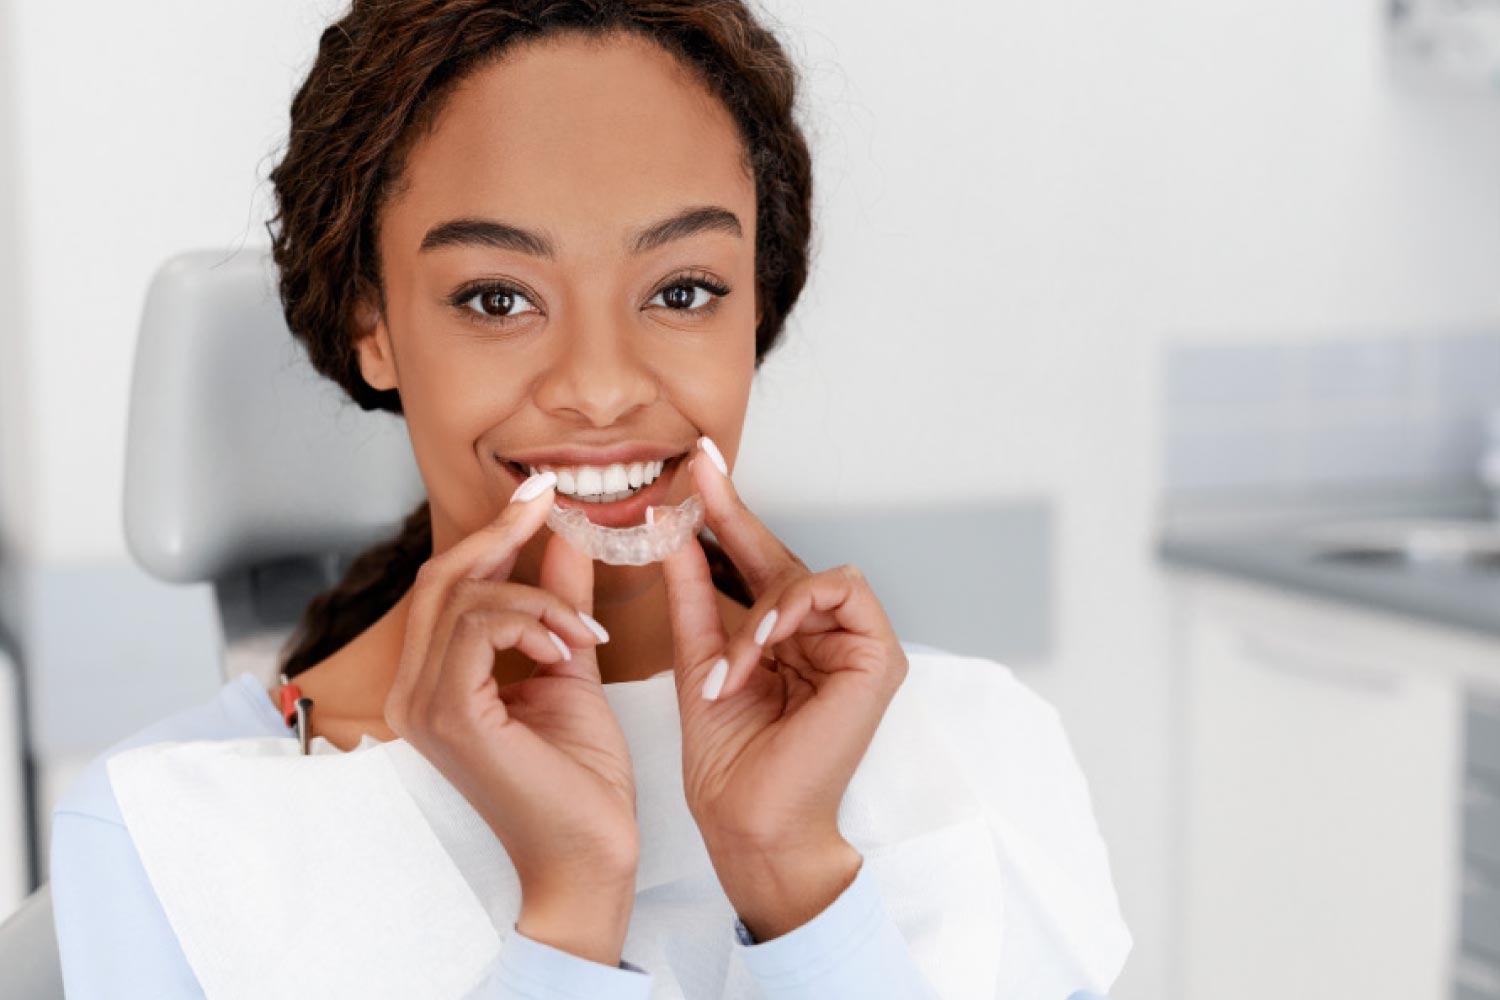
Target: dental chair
{"x": 244, "y": 469}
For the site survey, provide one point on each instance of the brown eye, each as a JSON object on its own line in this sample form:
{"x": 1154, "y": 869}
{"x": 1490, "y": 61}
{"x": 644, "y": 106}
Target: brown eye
{"x": 495, "y": 302}
{"x": 683, "y": 296}
{"x": 693, "y": 295}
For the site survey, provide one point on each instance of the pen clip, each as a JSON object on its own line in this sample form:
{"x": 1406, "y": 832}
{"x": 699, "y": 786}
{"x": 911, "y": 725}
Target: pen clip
{"x": 304, "y": 705}
{"x": 295, "y": 707}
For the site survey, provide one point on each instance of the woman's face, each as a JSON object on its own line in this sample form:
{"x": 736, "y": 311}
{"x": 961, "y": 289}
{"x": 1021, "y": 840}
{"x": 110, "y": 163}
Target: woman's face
{"x": 538, "y": 297}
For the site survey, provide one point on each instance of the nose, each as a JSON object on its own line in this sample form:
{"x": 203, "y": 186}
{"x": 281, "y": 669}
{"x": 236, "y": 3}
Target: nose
{"x": 598, "y": 374}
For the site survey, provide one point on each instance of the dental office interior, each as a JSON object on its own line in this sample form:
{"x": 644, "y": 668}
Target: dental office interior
{"x": 1151, "y": 351}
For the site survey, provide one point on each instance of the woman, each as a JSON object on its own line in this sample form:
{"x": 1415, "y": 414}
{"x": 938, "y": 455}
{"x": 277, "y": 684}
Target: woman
{"x": 557, "y": 237}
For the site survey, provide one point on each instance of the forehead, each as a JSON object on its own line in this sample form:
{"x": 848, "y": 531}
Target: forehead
{"x": 582, "y": 137}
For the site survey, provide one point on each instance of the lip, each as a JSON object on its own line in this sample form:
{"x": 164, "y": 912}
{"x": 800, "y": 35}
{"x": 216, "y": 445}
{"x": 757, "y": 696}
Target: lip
{"x": 621, "y": 513}
{"x": 624, "y": 453}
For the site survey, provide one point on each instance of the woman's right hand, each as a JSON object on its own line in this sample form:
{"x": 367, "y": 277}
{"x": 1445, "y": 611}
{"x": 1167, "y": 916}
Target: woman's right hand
{"x": 543, "y": 759}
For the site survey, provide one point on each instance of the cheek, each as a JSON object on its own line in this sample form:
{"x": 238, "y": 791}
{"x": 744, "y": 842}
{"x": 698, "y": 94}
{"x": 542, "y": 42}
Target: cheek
{"x": 455, "y": 393}
{"x": 461, "y": 395}
{"x": 713, "y": 390}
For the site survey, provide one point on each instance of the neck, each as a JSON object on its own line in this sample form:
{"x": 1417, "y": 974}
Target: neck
{"x": 640, "y": 634}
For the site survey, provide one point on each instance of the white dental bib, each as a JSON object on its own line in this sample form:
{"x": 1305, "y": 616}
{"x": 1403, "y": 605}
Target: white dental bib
{"x": 367, "y": 874}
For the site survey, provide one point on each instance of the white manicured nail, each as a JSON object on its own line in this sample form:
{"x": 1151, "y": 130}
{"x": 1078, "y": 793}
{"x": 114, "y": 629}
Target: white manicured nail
{"x": 764, "y": 630}
{"x": 650, "y": 517}
{"x": 557, "y": 639}
{"x": 715, "y": 682}
{"x": 594, "y": 626}
{"x": 535, "y": 486}
{"x": 712, "y": 450}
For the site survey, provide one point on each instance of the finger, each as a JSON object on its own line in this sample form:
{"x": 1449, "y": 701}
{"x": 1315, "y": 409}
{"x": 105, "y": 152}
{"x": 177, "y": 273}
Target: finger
{"x": 568, "y": 574}
{"x": 461, "y": 574}
{"x": 508, "y": 595}
{"x": 746, "y": 647}
{"x": 490, "y": 551}
{"x": 757, "y": 553}
{"x": 835, "y": 600}
{"x": 467, "y": 669}
{"x": 693, "y": 611}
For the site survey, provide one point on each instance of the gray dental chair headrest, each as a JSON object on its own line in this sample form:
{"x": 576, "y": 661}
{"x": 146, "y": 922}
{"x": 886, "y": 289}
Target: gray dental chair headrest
{"x": 241, "y": 459}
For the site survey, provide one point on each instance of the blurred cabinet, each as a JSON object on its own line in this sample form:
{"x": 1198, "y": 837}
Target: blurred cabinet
{"x": 1320, "y": 797}
{"x": 1478, "y": 971}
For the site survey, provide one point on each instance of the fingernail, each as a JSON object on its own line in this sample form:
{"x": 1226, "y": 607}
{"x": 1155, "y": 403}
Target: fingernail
{"x": 715, "y": 682}
{"x": 712, "y": 450}
{"x": 557, "y": 640}
{"x": 650, "y": 516}
{"x": 535, "y": 486}
{"x": 763, "y": 631}
{"x": 594, "y": 626}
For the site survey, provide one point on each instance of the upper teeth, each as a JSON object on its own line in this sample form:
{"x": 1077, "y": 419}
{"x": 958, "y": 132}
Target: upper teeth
{"x": 592, "y": 480}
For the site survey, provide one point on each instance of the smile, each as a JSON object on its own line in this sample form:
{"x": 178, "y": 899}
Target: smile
{"x": 615, "y": 495}
{"x": 603, "y": 484}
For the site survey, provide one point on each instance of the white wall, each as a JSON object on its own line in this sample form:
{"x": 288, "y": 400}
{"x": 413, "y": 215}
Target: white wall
{"x": 17, "y": 426}
{"x": 1018, "y": 204}
{"x": 143, "y": 129}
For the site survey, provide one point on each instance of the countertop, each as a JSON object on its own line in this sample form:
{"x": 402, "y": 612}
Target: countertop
{"x": 1271, "y": 539}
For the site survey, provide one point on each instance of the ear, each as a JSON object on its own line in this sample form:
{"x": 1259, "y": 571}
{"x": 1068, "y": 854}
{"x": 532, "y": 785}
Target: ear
{"x": 377, "y": 362}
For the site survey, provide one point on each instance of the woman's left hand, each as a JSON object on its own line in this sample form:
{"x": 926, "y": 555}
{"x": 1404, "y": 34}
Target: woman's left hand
{"x": 766, "y": 764}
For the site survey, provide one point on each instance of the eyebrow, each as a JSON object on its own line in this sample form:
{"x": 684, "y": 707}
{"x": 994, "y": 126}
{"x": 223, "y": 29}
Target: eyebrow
{"x": 497, "y": 235}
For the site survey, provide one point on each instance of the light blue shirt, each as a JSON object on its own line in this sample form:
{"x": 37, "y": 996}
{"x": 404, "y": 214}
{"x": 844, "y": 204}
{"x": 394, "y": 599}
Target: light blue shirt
{"x": 115, "y": 941}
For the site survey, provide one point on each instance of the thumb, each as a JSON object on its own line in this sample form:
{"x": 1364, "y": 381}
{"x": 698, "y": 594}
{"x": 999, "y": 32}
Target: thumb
{"x": 698, "y": 637}
{"x": 569, "y": 574}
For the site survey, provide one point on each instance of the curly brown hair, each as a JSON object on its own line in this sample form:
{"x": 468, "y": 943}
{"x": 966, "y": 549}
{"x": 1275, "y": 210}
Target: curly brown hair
{"x": 378, "y": 83}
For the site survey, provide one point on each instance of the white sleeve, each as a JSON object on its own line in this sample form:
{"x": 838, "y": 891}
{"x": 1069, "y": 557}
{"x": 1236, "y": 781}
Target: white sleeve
{"x": 527, "y": 969}
{"x": 851, "y": 949}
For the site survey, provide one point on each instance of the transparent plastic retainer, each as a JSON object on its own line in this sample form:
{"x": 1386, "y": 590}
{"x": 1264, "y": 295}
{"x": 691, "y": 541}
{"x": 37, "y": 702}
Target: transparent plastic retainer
{"x": 667, "y": 529}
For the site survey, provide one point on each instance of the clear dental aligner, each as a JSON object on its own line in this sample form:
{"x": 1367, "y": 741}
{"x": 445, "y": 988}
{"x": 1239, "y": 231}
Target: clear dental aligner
{"x": 633, "y": 546}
